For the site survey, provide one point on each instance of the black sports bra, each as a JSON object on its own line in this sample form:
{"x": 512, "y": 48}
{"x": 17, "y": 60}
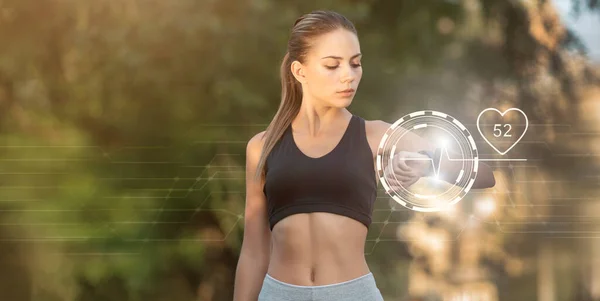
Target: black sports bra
{"x": 341, "y": 182}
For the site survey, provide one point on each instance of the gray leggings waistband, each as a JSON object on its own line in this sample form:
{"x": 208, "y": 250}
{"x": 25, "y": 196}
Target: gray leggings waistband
{"x": 362, "y": 288}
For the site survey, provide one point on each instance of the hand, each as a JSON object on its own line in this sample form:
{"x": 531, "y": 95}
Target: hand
{"x": 408, "y": 168}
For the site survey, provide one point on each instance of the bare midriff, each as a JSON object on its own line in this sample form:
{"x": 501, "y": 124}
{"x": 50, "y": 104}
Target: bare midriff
{"x": 311, "y": 249}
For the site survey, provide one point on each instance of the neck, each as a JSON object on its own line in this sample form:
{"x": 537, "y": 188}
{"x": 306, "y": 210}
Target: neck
{"x": 313, "y": 119}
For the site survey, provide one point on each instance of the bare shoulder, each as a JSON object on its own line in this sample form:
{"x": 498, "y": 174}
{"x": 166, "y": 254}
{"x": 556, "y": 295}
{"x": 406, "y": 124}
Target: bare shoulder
{"x": 253, "y": 152}
{"x": 375, "y": 130}
{"x": 255, "y": 144}
{"x": 376, "y": 127}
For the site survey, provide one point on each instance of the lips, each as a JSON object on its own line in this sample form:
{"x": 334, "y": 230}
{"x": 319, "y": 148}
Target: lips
{"x": 347, "y": 91}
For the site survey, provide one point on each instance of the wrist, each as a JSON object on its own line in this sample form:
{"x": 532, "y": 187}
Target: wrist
{"x": 434, "y": 156}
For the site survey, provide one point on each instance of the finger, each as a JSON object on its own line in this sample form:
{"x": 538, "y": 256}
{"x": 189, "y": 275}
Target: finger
{"x": 401, "y": 163}
{"x": 398, "y": 178}
{"x": 393, "y": 179}
{"x": 401, "y": 173}
{"x": 398, "y": 183}
{"x": 393, "y": 182}
{"x": 388, "y": 173}
{"x": 393, "y": 172}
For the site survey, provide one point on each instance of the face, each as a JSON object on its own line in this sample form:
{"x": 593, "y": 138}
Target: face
{"x": 332, "y": 69}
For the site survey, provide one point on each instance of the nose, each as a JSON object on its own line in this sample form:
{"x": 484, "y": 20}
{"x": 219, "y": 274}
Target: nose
{"x": 348, "y": 75}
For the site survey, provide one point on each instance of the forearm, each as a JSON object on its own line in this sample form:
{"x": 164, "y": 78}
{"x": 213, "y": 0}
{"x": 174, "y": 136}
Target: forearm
{"x": 450, "y": 170}
{"x": 407, "y": 163}
{"x": 249, "y": 276}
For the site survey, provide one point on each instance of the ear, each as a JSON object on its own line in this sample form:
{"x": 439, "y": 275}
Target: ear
{"x": 298, "y": 71}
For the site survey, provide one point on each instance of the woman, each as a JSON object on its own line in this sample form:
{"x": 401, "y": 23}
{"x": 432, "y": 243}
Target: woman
{"x": 311, "y": 177}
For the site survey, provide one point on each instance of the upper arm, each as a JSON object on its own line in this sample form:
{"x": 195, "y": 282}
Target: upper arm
{"x": 410, "y": 141}
{"x": 257, "y": 235}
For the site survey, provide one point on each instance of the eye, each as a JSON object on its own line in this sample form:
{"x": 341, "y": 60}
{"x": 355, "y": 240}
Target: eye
{"x": 331, "y": 67}
{"x": 356, "y": 65}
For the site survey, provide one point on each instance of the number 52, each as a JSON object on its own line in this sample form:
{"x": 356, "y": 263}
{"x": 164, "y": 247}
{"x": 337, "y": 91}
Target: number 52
{"x": 498, "y": 131}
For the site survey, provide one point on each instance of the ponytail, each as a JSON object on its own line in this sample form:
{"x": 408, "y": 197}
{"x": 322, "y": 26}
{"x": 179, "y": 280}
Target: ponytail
{"x": 291, "y": 99}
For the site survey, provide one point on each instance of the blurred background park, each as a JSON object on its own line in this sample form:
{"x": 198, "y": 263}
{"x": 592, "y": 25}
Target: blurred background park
{"x": 124, "y": 125}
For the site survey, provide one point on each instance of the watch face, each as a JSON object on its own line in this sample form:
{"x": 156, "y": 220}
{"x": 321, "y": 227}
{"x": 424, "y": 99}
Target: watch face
{"x": 426, "y": 153}
{"x": 453, "y": 142}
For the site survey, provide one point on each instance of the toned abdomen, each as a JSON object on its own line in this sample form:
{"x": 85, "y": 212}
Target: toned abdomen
{"x": 317, "y": 249}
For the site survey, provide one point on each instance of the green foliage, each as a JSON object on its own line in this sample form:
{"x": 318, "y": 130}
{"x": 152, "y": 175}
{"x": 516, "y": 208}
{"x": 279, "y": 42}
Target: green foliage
{"x": 124, "y": 123}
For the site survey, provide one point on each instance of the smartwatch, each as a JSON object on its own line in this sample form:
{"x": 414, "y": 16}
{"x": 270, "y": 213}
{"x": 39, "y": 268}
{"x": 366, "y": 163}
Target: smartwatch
{"x": 434, "y": 157}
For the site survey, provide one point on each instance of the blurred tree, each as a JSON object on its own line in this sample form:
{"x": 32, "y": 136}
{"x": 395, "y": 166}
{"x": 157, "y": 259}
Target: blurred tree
{"x": 125, "y": 125}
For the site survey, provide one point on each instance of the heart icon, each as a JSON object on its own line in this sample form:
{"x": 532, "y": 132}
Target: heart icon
{"x": 502, "y": 114}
